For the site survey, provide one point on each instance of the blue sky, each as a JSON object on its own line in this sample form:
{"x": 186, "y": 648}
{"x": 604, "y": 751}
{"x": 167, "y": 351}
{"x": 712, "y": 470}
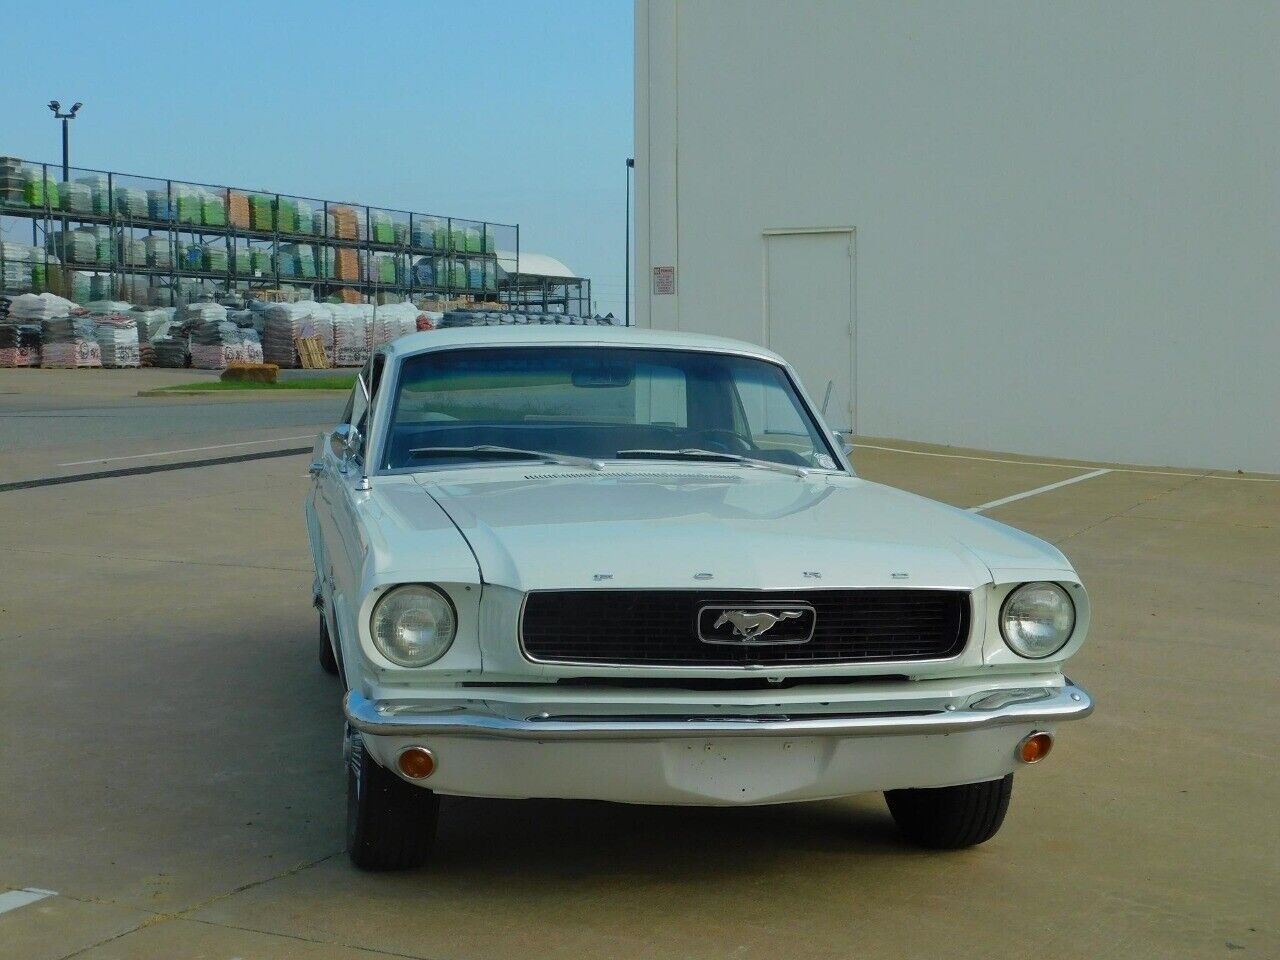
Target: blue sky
{"x": 518, "y": 112}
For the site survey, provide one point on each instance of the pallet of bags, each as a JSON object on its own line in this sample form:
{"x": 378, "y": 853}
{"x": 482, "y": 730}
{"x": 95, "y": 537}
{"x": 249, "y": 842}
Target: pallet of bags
{"x": 391, "y": 321}
{"x": 352, "y": 324}
{"x": 213, "y": 209}
{"x": 99, "y": 192}
{"x": 19, "y": 345}
{"x": 170, "y": 351}
{"x": 187, "y": 203}
{"x": 214, "y": 345}
{"x": 38, "y": 307}
{"x": 346, "y": 223}
{"x": 69, "y": 342}
{"x": 15, "y": 275}
{"x": 284, "y": 322}
{"x": 131, "y": 203}
{"x": 117, "y": 336}
{"x": 16, "y": 346}
{"x": 149, "y": 322}
{"x": 238, "y": 209}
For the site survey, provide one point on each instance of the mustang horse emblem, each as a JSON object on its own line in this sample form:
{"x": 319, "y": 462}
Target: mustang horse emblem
{"x": 749, "y": 625}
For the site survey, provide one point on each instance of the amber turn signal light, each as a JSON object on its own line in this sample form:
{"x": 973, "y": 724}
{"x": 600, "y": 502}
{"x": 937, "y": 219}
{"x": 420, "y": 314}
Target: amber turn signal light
{"x": 1033, "y": 747}
{"x": 417, "y": 763}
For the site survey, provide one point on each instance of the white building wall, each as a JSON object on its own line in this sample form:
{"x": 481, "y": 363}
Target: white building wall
{"x": 1067, "y": 216}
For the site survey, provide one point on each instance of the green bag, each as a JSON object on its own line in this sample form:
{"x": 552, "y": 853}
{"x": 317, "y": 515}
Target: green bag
{"x": 261, "y": 212}
{"x": 287, "y": 215}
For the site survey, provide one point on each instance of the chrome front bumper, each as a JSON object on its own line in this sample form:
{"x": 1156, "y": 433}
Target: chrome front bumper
{"x": 476, "y": 718}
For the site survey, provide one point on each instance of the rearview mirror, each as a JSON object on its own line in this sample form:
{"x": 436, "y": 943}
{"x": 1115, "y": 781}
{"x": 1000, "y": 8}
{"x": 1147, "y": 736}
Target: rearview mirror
{"x": 602, "y": 375}
{"x": 844, "y": 443}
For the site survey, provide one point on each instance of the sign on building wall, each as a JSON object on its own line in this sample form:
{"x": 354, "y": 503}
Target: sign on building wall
{"x": 664, "y": 280}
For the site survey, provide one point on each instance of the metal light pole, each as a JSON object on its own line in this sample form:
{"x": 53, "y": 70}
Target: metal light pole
{"x": 626, "y": 286}
{"x": 66, "y": 119}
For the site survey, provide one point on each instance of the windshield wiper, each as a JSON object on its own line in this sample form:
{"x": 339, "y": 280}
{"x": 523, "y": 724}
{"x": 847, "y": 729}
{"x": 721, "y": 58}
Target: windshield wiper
{"x": 696, "y": 453}
{"x": 488, "y": 451}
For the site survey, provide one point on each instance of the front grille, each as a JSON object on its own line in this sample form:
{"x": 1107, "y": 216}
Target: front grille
{"x": 660, "y": 627}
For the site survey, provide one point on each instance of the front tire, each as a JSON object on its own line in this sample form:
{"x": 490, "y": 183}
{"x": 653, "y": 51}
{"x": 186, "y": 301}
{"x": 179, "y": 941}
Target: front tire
{"x": 328, "y": 662}
{"x": 391, "y": 825}
{"x": 951, "y": 818}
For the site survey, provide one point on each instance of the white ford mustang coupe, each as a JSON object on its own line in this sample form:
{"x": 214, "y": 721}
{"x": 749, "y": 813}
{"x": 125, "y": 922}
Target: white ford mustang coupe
{"x": 587, "y": 562}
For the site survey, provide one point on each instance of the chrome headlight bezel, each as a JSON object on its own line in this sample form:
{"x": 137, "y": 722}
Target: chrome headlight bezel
{"x": 1017, "y": 643}
{"x": 432, "y": 601}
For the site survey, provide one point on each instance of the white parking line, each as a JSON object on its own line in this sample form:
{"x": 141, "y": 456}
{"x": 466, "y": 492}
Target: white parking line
{"x": 1039, "y": 490}
{"x": 14, "y": 899}
{"x": 165, "y": 453}
{"x": 1204, "y": 475}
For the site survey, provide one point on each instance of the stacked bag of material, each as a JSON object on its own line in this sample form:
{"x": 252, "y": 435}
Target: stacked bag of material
{"x": 352, "y": 325}
{"x": 133, "y": 251}
{"x": 238, "y": 210}
{"x": 38, "y": 189}
{"x": 261, "y": 212}
{"x": 214, "y": 257}
{"x": 13, "y": 182}
{"x": 306, "y": 256}
{"x": 99, "y": 192}
{"x": 424, "y": 271}
{"x": 158, "y": 205}
{"x": 494, "y": 318}
{"x": 150, "y": 321}
{"x": 382, "y": 268}
{"x": 76, "y": 197}
{"x": 131, "y": 202}
{"x": 214, "y": 345}
{"x": 99, "y": 287}
{"x": 287, "y": 261}
{"x": 102, "y": 243}
{"x": 346, "y": 264}
{"x": 213, "y": 209}
{"x": 187, "y": 202}
{"x": 285, "y": 321}
{"x": 69, "y": 341}
{"x": 287, "y": 215}
{"x": 19, "y": 345}
{"x": 423, "y": 235}
{"x": 391, "y": 321}
{"x": 304, "y": 217}
{"x": 39, "y": 307}
{"x": 380, "y": 224}
{"x": 117, "y": 335}
{"x": 159, "y": 252}
{"x": 15, "y": 276}
{"x": 170, "y": 350}
{"x": 74, "y": 246}
{"x": 346, "y": 223}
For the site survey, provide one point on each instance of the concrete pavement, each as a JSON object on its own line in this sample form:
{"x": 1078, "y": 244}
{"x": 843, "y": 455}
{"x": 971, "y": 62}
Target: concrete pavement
{"x": 173, "y": 768}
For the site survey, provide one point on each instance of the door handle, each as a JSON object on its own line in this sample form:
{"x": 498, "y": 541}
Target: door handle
{"x": 316, "y": 468}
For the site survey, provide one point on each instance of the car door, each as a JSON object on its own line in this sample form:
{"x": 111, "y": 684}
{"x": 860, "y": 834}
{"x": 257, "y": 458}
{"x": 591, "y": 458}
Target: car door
{"x": 339, "y": 493}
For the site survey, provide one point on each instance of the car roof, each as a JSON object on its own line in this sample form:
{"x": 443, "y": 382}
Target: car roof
{"x": 566, "y": 335}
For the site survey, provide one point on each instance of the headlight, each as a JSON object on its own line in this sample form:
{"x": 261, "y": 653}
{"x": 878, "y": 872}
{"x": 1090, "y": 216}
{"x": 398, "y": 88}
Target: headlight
{"x": 1037, "y": 620}
{"x": 413, "y": 625}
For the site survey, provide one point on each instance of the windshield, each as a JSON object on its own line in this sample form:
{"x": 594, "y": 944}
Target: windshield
{"x": 601, "y": 403}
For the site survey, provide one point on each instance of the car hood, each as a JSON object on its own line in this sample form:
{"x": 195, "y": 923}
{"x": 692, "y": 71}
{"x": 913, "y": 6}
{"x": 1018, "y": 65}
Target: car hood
{"x": 656, "y": 527}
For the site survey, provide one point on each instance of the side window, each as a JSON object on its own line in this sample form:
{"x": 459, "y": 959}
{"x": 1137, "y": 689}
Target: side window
{"x": 360, "y": 408}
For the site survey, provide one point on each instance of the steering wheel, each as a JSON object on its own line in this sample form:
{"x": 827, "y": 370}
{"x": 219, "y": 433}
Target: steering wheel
{"x": 725, "y": 441}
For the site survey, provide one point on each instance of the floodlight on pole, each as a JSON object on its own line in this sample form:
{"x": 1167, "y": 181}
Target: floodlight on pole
{"x": 66, "y": 119}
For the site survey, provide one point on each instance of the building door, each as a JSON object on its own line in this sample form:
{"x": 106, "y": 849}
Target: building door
{"x": 809, "y": 313}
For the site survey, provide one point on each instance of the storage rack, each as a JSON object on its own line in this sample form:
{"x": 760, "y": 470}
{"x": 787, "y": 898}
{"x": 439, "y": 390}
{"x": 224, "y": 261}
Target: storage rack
{"x": 568, "y": 295}
{"x": 450, "y": 242}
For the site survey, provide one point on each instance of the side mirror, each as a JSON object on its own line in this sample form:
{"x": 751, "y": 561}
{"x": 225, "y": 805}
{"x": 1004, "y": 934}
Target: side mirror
{"x": 843, "y": 442}
{"x": 345, "y": 444}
